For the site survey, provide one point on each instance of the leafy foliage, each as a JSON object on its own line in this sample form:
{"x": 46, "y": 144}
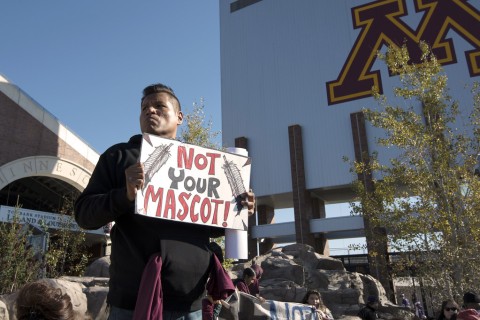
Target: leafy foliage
{"x": 427, "y": 197}
{"x": 17, "y": 259}
{"x": 197, "y": 130}
{"x": 67, "y": 253}
{"x": 21, "y": 262}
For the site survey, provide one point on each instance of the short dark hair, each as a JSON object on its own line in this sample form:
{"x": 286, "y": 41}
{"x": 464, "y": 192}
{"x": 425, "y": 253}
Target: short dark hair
{"x": 249, "y": 272}
{"x": 471, "y": 297}
{"x": 216, "y": 250}
{"x": 160, "y": 87}
{"x": 40, "y": 300}
{"x": 371, "y": 299}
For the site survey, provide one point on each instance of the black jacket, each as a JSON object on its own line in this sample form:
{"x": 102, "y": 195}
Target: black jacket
{"x": 368, "y": 313}
{"x": 183, "y": 246}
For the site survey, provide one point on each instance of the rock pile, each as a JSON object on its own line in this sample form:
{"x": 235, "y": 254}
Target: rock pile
{"x": 288, "y": 273}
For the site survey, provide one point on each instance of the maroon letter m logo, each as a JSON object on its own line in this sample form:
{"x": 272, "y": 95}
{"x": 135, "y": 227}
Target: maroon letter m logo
{"x": 380, "y": 24}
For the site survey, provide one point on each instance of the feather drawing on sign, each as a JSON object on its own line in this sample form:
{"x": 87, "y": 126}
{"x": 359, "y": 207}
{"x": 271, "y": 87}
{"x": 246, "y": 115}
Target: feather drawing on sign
{"x": 235, "y": 181}
{"x": 155, "y": 161}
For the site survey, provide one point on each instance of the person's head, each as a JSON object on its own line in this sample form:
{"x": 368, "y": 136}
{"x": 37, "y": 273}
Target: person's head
{"x": 471, "y": 300}
{"x": 372, "y": 301}
{"x": 468, "y": 314}
{"x": 313, "y": 298}
{"x": 258, "y": 270}
{"x": 216, "y": 250}
{"x": 249, "y": 275}
{"x": 161, "y": 112}
{"x": 449, "y": 309}
{"x": 40, "y": 301}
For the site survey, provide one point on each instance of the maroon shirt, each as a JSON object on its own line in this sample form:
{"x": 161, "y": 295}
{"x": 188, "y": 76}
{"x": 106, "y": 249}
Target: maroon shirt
{"x": 242, "y": 286}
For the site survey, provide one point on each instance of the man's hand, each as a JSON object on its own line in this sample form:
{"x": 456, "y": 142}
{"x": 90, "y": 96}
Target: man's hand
{"x": 134, "y": 178}
{"x": 249, "y": 201}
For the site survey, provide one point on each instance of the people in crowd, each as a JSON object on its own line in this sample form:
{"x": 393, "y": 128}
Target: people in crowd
{"x": 471, "y": 307}
{"x": 39, "y": 300}
{"x": 314, "y": 298}
{"x": 369, "y": 312}
{"x": 212, "y": 304}
{"x": 419, "y": 312}
{"x": 247, "y": 279}
{"x": 449, "y": 310}
{"x": 405, "y": 301}
{"x": 216, "y": 250}
{"x": 254, "y": 287}
{"x": 174, "y": 255}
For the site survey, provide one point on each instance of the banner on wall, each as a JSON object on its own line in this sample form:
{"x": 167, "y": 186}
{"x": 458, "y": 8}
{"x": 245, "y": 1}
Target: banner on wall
{"x": 45, "y": 220}
{"x": 192, "y": 184}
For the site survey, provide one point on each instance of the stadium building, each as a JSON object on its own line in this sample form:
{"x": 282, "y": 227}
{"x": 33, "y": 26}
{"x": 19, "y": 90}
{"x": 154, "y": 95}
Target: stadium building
{"x": 295, "y": 76}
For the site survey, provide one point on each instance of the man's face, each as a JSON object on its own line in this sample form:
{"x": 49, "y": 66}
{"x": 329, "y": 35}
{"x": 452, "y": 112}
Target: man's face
{"x": 159, "y": 115}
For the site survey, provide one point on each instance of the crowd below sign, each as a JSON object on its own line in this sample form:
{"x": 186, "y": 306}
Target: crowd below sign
{"x": 283, "y": 282}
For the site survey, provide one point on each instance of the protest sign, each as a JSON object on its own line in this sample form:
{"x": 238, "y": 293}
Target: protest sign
{"x": 188, "y": 183}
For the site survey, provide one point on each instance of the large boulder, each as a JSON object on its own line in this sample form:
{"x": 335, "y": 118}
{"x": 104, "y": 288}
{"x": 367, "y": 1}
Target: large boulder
{"x": 99, "y": 268}
{"x": 310, "y": 259}
{"x": 95, "y": 290}
{"x": 290, "y": 271}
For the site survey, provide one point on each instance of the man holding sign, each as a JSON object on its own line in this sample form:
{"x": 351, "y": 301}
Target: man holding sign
{"x": 182, "y": 247}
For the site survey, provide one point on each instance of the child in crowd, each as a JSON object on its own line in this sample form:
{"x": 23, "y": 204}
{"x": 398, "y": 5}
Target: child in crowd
{"x": 314, "y": 299}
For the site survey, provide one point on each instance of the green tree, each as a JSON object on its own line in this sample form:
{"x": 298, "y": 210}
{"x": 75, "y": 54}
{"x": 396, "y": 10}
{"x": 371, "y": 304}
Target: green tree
{"x": 22, "y": 262}
{"x": 17, "y": 258}
{"x": 427, "y": 197}
{"x": 67, "y": 253}
{"x": 197, "y": 130}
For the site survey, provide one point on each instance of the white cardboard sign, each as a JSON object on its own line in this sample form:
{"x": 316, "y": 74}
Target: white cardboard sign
{"x": 188, "y": 183}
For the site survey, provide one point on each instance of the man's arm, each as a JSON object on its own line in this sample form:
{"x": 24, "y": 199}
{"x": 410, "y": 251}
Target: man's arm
{"x": 105, "y": 197}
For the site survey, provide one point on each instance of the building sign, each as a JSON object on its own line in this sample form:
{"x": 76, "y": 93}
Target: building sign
{"x": 46, "y": 166}
{"x": 381, "y": 23}
{"x": 43, "y": 220}
{"x": 187, "y": 183}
